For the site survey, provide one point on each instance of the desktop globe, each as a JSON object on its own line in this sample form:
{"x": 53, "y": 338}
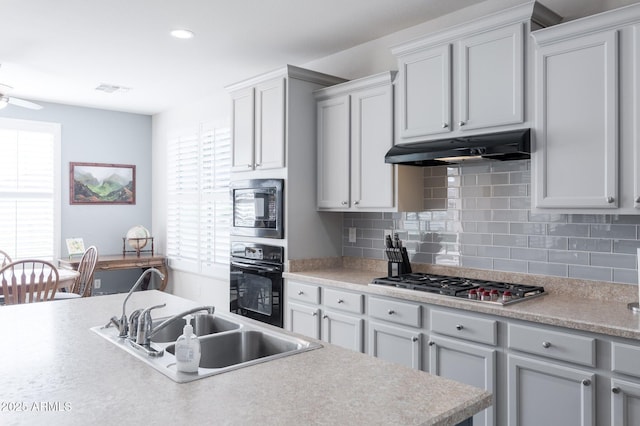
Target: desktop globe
{"x": 137, "y": 237}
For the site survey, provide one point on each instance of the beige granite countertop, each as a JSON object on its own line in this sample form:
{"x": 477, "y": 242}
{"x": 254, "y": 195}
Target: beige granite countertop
{"x": 56, "y": 371}
{"x": 605, "y": 312}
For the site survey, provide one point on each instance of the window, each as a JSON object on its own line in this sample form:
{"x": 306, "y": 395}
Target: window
{"x": 199, "y": 207}
{"x": 30, "y": 189}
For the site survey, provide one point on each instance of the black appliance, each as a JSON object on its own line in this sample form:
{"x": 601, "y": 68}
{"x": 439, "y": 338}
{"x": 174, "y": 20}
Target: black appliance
{"x": 256, "y": 283}
{"x": 467, "y": 288}
{"x": 509, "y": 145}
{"x": 258, "y": 208}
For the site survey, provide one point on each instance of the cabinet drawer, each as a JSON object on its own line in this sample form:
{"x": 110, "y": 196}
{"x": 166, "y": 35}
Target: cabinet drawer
{"x": 343, "y": 300}
{"x": 304, "y": 292}
{"x": 464, "y": 327}
{"x": 553, "y": 344}
{"x": 395, "y": 311}
{"x": 625, "y": 359}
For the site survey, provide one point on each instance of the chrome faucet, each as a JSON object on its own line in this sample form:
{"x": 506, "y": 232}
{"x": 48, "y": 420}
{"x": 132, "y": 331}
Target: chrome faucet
{"x": 122, "y": 324}
{"x": 145, "y": 324}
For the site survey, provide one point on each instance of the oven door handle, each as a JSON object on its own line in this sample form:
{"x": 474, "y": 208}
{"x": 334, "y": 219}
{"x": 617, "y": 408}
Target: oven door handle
{"x": 253, "y": 267}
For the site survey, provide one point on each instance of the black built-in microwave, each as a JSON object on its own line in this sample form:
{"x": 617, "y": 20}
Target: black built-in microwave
{"x": 258, "y": 206}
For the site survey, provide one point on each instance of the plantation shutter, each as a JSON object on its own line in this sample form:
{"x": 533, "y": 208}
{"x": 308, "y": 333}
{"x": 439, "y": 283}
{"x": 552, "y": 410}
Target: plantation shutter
{"x": 198, "y": 200}
{"x": 29, "y": 189}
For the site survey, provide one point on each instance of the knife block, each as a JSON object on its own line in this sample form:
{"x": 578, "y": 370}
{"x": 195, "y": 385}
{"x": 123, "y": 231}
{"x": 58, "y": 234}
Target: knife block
{"x": 398, "y": 262}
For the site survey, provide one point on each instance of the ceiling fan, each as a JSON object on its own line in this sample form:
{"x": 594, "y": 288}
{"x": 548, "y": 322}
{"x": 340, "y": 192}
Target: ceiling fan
{"x": 5, "y": 99}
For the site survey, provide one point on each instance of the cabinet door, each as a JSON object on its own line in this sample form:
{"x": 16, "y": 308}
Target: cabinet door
{"x": 343, "y": 330}
{"x": 467, "y": 363}
{"x": 304, "y": 320}
{"x": 491, "y": 78}
{"x": 270, "y": 122}
{"x": 371, "y": 137}
{"x": 576, "y": 155}
{"x": 333, "y": 153}
{"x": 542, "y": 393}
{"x": 425, "y": 92}
{"x": 242, "y": 130}
{"x": 395, "y": 344}
{"x": 625, "y": 403}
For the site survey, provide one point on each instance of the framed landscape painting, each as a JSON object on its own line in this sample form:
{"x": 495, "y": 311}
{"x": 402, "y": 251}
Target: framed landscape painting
{"x": 96, "y": 183}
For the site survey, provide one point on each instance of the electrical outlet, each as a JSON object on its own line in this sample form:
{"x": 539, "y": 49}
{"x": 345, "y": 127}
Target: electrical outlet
{"x": 352, "y": 235}
{"x": 97, "y": 283}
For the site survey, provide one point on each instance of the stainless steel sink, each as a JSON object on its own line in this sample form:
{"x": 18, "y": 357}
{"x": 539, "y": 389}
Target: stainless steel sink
{"x": 230, "y": 342}
{"x": 203, "y": 325}
{"x": 241, "y": 347}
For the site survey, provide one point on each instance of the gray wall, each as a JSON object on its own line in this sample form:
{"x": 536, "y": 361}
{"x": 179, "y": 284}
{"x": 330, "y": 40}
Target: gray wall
{"x": 478, "y": 216}
{"x": 100, "y": 136}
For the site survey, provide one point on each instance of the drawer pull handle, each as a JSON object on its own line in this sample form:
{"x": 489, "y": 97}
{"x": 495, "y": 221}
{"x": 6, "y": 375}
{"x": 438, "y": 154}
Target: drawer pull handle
{"x": 546, "y": 345}
{"x": 315, "y": 313}
{"x": 340, "y": 301}
{"x": 610, "y": 200}
{"x": 431, "y": 343}
{"x": 615, "y": 390}
{"x": 459, "y": 327}
{"x": 461, "y": 123}
{"x": 391, "y": 312}
{"x": 414, "y": 339}
{"x": 325, "y": 316}
{"x": 300, "y": 293}
{"x": 586, "y": 382}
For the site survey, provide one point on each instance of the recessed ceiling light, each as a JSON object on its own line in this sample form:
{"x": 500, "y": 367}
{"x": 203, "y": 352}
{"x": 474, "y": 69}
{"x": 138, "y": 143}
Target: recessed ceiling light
{"x": 184, "y": 34}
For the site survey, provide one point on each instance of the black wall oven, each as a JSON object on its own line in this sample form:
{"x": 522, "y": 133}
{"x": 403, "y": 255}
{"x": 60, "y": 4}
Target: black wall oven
{"x": 256, "y": 282}
{"x": 257, "y": 208}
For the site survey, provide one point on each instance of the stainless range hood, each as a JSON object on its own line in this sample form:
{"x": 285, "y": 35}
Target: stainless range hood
{"x": 509, "y": 145}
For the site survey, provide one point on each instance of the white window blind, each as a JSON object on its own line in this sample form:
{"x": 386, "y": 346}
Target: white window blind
{"x": 199, "y": 207}
{"x": 30, "y": 189}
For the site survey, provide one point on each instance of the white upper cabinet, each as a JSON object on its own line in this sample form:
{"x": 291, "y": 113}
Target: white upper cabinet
{"x": 491, "y": 78}
{"x": 586, "y": 155}
{"x": 577, "y": 139}
{"x": 260, "y": 116}
{"x": 467, "y": 78}
{"x": 424, "y": 106}
{"x": 355, "y": 131}
{"x": 257, "y": 123}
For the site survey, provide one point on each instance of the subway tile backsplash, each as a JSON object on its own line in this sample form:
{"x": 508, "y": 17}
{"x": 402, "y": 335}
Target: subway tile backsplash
{"x": 478, "y": 216}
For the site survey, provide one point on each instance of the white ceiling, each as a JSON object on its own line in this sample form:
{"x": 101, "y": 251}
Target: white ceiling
{"x": 60, "y": 51}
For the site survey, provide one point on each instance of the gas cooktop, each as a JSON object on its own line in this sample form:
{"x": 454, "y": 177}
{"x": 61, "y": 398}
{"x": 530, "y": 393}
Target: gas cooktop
{"x": 466, "y": 288}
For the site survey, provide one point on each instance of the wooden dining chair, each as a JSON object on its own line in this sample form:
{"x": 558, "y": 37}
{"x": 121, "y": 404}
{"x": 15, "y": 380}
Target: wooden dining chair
{"x": 28, "y": 280}
{"x": 84, "y": 282}
{"x": 5, "y": 259}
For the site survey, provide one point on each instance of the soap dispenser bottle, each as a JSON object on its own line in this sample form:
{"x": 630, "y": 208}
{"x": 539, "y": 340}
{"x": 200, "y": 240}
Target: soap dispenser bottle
{"x": 187, "y": 349}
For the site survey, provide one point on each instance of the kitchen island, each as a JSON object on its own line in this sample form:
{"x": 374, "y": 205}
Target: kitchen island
{"x": 55, "y": 370}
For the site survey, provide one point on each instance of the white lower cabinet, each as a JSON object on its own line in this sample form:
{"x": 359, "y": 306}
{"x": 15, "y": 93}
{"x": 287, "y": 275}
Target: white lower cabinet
{"x": 395, "y": 331}
{"x": 625, "y": 403}
{"x": 343, "y": 330}
{"x": 303, "y": 319}
{"x": 544, "y": 393}
{"x": 332, "y": 315}
{"x": 460, "y": 358}
{"x": 401, "y": 345}
{"x": 625, "y": 393}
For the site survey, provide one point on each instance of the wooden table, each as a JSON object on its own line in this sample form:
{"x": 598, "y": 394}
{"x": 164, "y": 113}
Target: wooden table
{"x": 119, "y": 262}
